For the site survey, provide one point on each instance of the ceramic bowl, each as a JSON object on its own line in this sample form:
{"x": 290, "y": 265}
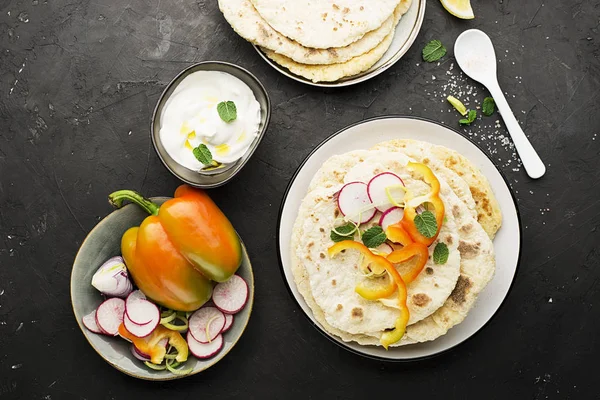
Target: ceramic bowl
{"x": 104, "y": 242}
{"x": 213, "y": 179}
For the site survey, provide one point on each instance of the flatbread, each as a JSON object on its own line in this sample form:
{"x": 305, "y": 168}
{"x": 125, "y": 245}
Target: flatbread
{"x": 476, "y": 268}
{"x": 325, "y": 24}
{"x": 488, "y": 210}
{"x": 248, "y": 23}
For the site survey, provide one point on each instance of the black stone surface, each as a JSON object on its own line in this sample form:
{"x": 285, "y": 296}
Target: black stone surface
{"x": 78, "y": 82}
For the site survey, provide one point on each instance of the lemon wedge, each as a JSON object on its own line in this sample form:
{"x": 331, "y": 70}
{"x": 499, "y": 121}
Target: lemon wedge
{"x": 459, "y": 8}
{"x": 458, "y": 105}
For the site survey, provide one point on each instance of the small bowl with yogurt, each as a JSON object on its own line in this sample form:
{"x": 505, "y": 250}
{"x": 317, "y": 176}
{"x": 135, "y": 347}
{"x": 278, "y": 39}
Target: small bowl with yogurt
{"x": 209, "y": 121}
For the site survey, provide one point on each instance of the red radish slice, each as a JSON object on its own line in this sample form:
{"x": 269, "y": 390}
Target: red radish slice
{"x": 89, "y": 321}
{"x": 138, "y": 354}
{"x": 384, "y": 249}
{"x": 228, "y": 322}
{"x": 109, "y": 315}
{"x": 140, "y": 330}
{"x": 231, "y": 296}
{"x": 141, "y": 312}
{"x": 206, "y": 324}
{"x": 376, "y": 190}
{"x": 391, "y": 217}
{"x": 352, "y": 201}
{"x": 204, "y": 350}
{"x": 136, "y": 295}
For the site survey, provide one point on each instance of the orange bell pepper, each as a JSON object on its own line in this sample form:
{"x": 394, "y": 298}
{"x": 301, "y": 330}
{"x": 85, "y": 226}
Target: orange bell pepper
{"x": 152, "y": 346}
{"x": 397, "y": 234}
{"x": 413, "y": 250}
{"x": 396, "y": 334}
{"x": 179, "y": 248}
{"x": 433, "y": 198}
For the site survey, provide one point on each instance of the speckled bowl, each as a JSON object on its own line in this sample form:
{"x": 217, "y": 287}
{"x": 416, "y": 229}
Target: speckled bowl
{"x": 213, "y": 179}
{"x": 103, "y": 242}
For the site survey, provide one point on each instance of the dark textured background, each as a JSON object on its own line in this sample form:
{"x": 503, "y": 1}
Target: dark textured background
{"x": 78, "y": 82}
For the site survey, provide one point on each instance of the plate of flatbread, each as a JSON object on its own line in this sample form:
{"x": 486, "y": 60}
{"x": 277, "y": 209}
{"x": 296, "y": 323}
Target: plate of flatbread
{"x": 399, "y": 238}
{"x": 327, "y": 43}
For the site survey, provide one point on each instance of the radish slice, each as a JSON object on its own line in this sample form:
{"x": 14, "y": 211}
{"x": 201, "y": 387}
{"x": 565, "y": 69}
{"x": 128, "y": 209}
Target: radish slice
{"x": 228, "y": 322}
{"x": 384, "y": 249}
{"x": 353, "y": 202}
{"x": 109, "y": 315}
{"x": 89, "y": 321}
{"x": 141, "y": 312}
{"x": 391, "y": 217}
{"x": 206, "y": 324}
{"x": 140, "y": 330}
{"x": 377, "y": 193}
{"x": 204, "y": 350}
{"x": 138, "y": 354}
{"x": 231, "y": 296}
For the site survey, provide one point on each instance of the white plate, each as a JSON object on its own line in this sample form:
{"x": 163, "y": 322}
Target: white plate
{"x": 404, "y": 36}
{"x": 364, "y": 135}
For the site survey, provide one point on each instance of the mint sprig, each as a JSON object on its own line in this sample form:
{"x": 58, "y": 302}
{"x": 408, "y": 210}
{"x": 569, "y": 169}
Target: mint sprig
{"x": 488, "y": 107}
{"x": 426, "y": 224}
{"x": 441, "y": 253}
{"x": 471, "y": 116}
{"x": 203, "y": 154}
{"x": 433, "y": 51}
{"x": 374, "y": 237}
{"x": 227, "y": 111}
{"x": 344, "y": 232}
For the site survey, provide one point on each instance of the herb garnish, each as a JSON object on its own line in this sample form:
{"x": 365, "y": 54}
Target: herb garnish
{"x": 440, "y": 253}
{"x": 471, "y": 116}
{"x": 203, "y": 154}
{"x": 374, "y": 237}
{"x": 426, "y": 224}
{"x": 344, "y": 232}
{"x": 434, "y": 51}
{"x": 227, "y": 111}
{"x": 488, "y": 107}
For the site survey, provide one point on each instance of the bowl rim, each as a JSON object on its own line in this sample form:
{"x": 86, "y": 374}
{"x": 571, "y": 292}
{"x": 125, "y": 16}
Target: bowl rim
{"x": 363, "y": 76}
{"x": 261, "y": 133}
{"x": 171, "y": 377}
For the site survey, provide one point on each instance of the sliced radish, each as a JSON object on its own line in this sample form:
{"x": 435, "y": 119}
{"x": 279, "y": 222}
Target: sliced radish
{"x": 140, "y": 330}
{"x": 109, "y": 315}
{"x": 141, "y": 312}
{"x": 89, "y": 321}
{"x": 204, "y": 350}
{"x": 376, "y": 190}
{"x": 206, "y": 324}
{"x": 138, "y": 354}
{"x": 384, "y": 249}
{"x": 353, "y": 201}
{"x": 231, "y": 296}
{"x": 391, "y": 217}
{"x": 228, "y": 322}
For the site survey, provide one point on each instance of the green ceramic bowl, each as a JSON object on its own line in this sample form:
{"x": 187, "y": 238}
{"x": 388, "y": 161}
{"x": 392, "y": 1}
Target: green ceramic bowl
{"x": 103, "y": 242}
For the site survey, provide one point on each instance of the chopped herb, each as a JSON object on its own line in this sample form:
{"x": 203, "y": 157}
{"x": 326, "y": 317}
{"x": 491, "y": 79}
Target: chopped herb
{"x": 227, "y": 111}
{"x": 488, "y": 107}
{"x": 344, "y": 232}
{"x": 440, "y": 253}
{"x": 203, "y": 154}
{"x": 434, "y": 51}
{"x": 426, "y": 224}
{"x": 471, "y": 116}
{"x": 374, "y": 237}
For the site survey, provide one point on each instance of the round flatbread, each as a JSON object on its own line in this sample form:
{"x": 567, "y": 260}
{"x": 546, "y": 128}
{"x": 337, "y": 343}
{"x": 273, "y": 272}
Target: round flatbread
{"x": 325, "y": 24}
{"x": 248, "y": 23}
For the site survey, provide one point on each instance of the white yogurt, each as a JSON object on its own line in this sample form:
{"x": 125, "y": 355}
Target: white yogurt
{"x": 190, "y": 117}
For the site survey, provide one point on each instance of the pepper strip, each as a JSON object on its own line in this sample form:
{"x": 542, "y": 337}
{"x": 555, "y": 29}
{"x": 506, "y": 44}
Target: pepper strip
{"x": 396, "y": 334}
{"x": 397, "y": 234}
{"x": 151, "y": 345}
{"x": 417, "y": 250}
{"x": 408, "y": 221}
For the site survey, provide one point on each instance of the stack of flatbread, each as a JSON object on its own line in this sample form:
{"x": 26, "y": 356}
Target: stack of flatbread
{"x": 320, "y": 40}
{"x": 442, "y": 295}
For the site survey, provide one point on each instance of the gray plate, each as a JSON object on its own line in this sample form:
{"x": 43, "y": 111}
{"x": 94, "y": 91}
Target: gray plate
{"x": 221, "y": 176}
{"x": 406, "y": 32}
{"x": 103, "y": 242}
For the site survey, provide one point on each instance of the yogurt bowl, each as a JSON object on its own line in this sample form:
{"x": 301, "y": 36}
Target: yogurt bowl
{"x": 186, "y": 118}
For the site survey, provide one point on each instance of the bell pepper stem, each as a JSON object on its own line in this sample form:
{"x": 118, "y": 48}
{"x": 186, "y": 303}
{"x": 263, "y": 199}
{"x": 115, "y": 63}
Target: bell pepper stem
{"x": 116, "y": 200}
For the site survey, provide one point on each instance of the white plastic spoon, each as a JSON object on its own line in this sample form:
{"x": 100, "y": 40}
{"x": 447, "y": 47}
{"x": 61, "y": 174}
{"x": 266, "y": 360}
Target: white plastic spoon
{"x": 475, "y": 55}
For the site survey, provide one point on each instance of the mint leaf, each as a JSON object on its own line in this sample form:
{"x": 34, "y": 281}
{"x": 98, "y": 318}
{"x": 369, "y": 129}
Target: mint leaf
{"x": 434, "y": 51}
{"x": 426, "y": 224}
{"x": 488, "y": 107}
{"x": 203, "y": 154}
{"x": 471, "y": 116}
{"x": 344, "y": 232}
{"x": 440, "y": 253}
{"x": 227, "y": 111}
{"x": 374, "y": 237}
